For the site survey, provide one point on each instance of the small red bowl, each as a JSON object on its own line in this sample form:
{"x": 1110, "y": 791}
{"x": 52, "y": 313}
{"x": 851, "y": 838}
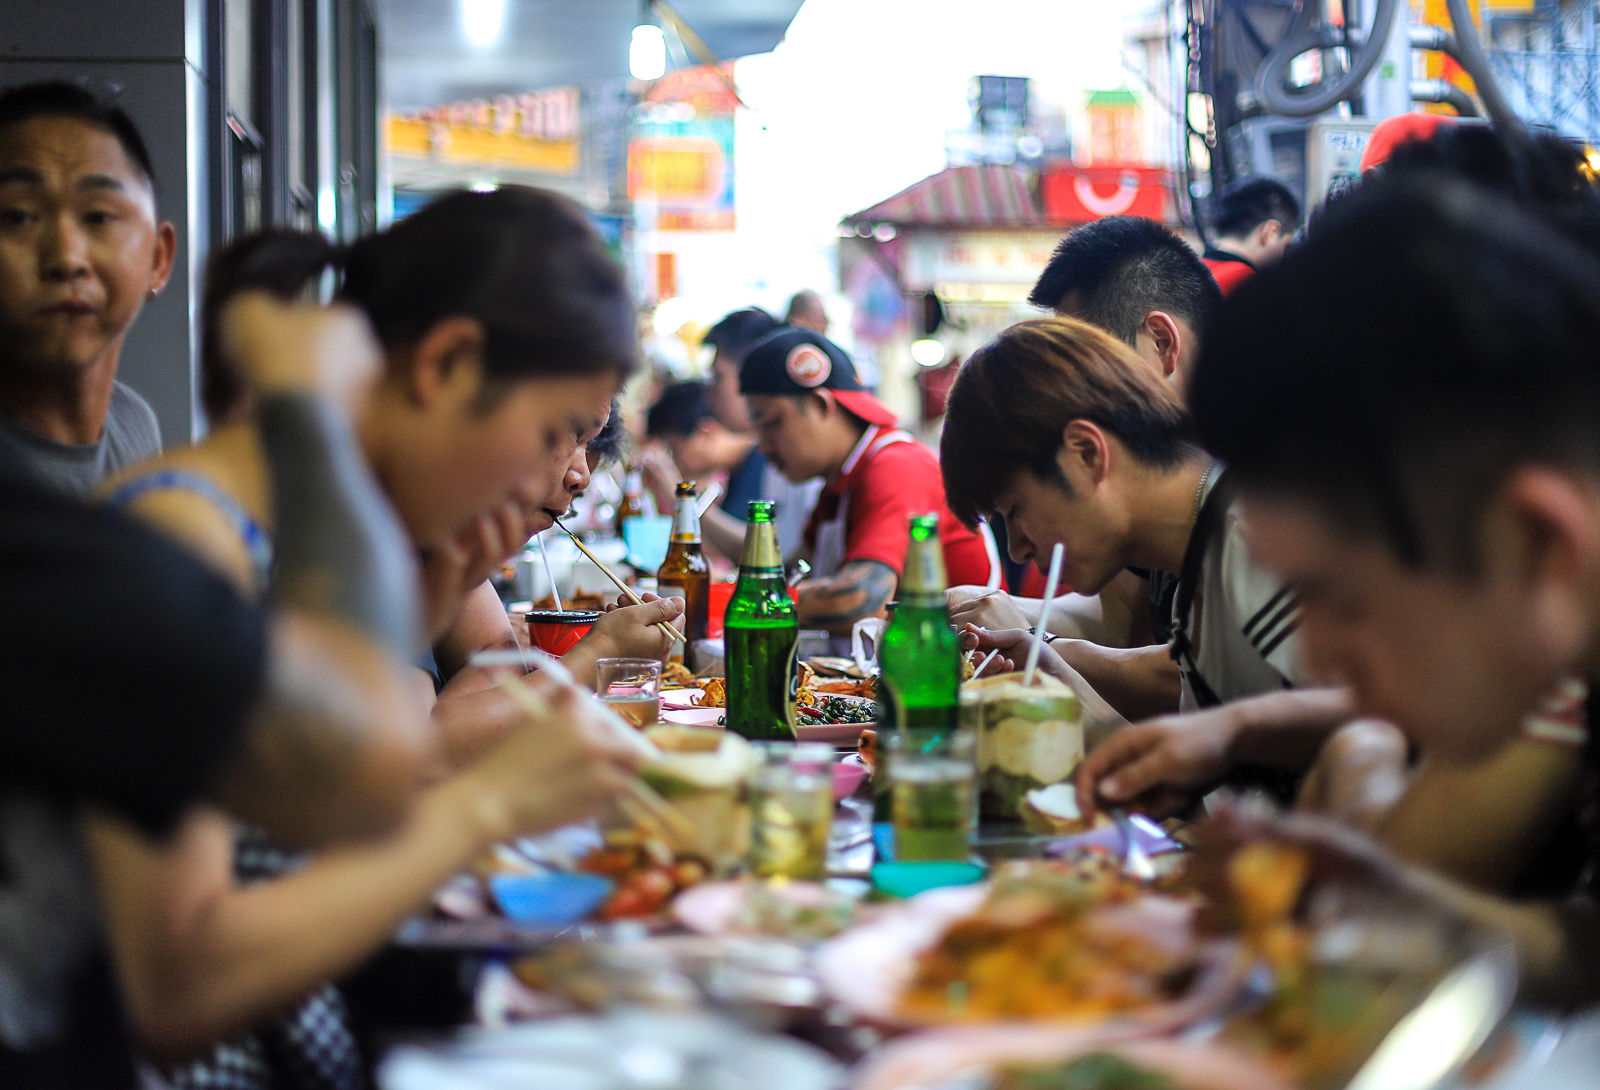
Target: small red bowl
{"x": 557, "y": 631}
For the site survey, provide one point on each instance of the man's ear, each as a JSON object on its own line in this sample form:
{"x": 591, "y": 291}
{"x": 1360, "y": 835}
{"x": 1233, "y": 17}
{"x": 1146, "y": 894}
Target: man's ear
{"x": 448, "y": 357}
{"x": 1085, "y": 453}
{"x": 166, "y": 252}
{"x": 1267, "y": 233}
{"x": 1167, "y": 337}
{"x": 821, "y": 402}
{"x": 1547, "y": 524}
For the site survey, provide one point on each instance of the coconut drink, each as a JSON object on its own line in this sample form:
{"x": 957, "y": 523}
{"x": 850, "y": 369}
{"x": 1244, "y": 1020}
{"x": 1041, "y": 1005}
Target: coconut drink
{"x": 1028, "y": 737}
{"x": 702, "y": 772}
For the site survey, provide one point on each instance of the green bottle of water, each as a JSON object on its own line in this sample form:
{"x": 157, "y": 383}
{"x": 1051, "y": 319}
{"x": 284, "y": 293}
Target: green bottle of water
{"x": 760, "y": 633}
{"x": 919, "y": 692}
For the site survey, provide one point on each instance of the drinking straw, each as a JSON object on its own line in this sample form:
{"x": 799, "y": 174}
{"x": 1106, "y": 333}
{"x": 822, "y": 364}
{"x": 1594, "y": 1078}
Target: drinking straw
{"x": 549, "y": 574}
{"x": 991, "y": 552}
{"x": 1044, "y": 614}
{"x": 713, "y": 490}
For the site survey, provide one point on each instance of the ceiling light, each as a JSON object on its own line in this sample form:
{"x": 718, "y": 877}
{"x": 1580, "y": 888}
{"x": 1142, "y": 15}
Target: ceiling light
{"x": 483, "y": 21}
{"x": 928, "y": 352}
{"x": 647, "y": 52}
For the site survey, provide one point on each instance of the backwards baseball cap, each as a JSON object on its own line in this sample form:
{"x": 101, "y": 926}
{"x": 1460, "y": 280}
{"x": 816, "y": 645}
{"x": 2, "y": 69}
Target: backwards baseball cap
{"x": 1391, "y": 132}
{"x": 798, "y": 361}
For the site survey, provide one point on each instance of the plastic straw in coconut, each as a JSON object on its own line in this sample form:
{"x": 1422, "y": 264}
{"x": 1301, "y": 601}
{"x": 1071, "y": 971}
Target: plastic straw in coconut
{"x": 991, "y": 552}
{"x": 1044, "y": 614}
{"x": 549, "y": 574}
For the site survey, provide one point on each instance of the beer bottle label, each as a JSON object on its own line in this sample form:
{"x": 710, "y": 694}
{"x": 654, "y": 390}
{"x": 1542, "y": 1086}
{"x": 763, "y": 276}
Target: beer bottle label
{"x": 924, "y": 576}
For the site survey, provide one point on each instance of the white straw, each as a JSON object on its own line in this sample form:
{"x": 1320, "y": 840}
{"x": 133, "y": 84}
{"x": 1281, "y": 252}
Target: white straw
{"x": 991, "y": 552}
{"x": 987, "y": 659}
{"x": 713, "y": 490}
{"x": 1044, "y": 614}
{"x": 549, "y": 574}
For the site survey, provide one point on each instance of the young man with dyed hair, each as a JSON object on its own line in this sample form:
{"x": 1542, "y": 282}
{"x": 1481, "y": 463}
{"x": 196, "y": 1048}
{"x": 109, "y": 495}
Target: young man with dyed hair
{"x": 1061, "y": 431}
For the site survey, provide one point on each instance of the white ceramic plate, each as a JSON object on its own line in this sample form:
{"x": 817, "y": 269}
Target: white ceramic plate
{"x": 867, "y": 968}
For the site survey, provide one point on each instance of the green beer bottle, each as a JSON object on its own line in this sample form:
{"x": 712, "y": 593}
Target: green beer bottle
{"x": 760, "y": 632}
{"x": 919, "y": 655}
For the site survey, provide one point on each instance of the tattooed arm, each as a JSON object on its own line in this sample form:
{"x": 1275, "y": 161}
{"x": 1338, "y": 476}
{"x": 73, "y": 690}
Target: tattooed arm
{"x": 861, "y": 588}
{"x": 335, "y": 746}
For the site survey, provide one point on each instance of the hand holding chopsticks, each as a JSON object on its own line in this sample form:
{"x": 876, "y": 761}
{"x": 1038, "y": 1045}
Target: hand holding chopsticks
{"x": 620, "y": 585}
{"x": 642, "y": 805}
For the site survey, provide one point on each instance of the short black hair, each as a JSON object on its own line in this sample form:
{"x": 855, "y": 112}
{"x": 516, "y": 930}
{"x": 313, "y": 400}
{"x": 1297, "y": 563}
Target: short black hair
{"x": 736, "y": 332}
{"x": 1543, "y": 173}
{"x": 1243, "y": 207}
{"x": 279, "y": 260}
{"x": 1124, "y": 267}
{"x": 679, "y": 410}
{"x": 1428, "y": 337}
{"x": 58, "y": 98}
{"x": 608, "y": 444}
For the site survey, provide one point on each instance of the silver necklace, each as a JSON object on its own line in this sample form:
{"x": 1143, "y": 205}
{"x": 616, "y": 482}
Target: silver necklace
{"x": 1200, "y": 489}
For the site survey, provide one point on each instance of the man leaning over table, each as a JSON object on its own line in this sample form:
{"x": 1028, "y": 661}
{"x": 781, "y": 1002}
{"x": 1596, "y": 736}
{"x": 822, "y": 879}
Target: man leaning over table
{"x": 816, "y": 422}
{"x": 1433, "y": 489}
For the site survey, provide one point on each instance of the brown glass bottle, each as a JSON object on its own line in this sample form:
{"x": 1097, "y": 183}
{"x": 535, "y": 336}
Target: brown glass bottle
{"x": 632, "y": 504}
{"x": 684, "y": 573}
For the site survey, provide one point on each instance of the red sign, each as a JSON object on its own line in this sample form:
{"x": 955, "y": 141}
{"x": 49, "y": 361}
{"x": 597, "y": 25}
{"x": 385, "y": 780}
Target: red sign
{"x": 1073, "y": 194}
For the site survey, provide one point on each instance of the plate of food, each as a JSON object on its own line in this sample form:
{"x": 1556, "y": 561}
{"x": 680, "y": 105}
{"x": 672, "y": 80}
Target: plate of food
{"x": 1016, "y": 1057}
{"x": 797, "y": 911}
{"x": 1039, "y": 942}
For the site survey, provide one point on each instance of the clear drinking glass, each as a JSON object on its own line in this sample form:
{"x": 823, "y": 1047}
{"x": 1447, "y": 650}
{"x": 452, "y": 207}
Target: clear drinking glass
{"x": 933, "y": 781}
{"x": 631, "y": 688}
{"x": 791, "y": 809}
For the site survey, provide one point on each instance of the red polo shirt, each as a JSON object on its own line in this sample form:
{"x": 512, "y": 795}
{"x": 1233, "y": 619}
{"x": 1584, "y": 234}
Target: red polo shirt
{"x": 885, "y": 487}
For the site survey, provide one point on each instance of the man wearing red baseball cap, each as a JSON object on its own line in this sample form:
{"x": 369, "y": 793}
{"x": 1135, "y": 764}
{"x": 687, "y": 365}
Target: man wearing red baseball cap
{"x": 1391, "y": 132}
{"x": 815, "y": 420}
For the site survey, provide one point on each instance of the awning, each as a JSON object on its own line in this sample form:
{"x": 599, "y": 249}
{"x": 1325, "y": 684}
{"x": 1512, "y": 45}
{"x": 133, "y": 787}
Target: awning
{"x": 1065, "y": 195}
{"x": 970, "y": 196}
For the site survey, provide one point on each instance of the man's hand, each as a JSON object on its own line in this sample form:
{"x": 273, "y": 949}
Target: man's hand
{"x": 300, "y": 348}
{"x": 1012, "y": 643}
{"x": 625, "y": 631}
{"x": 552, "y": 769}
{"x": 453, "y": 569}
{"x": 1157, "y": 765}
{"x": 994, "y": 609}
{"x": 661, "y": 476}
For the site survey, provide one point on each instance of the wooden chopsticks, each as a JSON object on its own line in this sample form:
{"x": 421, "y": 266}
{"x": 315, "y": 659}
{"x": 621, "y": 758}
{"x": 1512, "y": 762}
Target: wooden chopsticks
{"x": 643, "y": 805}
{"x": 623, "y": 587}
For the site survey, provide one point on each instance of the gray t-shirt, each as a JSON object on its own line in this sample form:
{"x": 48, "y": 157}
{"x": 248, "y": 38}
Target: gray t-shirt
{"x": 131, "y": 435}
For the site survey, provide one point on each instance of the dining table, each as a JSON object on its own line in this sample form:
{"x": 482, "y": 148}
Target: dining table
{"x": 683, "y": 1001}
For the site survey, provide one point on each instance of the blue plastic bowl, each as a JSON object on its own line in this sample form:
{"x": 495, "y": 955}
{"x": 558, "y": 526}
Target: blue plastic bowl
{"x": 907, "y": 879}
{"x": 549, "y": 900}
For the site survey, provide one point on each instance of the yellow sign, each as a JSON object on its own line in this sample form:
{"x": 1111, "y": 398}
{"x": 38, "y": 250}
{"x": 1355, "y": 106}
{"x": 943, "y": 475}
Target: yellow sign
{"x": 537, "y": 131}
